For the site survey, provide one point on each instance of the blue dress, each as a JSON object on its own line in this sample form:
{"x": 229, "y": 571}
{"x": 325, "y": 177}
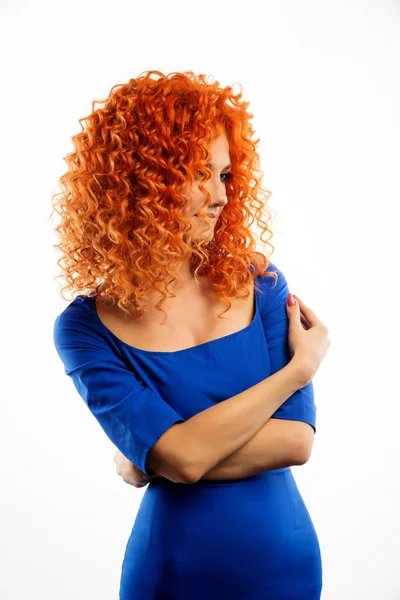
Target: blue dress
{"x": 248, "y": 539}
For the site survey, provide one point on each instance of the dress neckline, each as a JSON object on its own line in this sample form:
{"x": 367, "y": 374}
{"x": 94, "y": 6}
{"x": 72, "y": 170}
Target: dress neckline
{"x": 92, "y": 303}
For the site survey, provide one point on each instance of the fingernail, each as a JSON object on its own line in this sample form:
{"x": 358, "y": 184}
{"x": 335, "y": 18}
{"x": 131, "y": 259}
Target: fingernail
{"x": 291, "y": 300}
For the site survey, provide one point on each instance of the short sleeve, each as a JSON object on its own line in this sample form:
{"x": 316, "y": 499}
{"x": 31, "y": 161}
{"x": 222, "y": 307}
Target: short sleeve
{"x": 300, "y": 406}
{"x": 132, "y": 415}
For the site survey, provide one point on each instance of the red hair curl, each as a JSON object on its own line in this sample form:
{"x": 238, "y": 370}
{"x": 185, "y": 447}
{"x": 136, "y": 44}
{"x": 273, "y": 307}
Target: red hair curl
{"x": 121, "y": 201}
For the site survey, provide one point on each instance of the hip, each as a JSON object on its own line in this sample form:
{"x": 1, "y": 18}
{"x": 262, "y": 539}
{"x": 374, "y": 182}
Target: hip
{"x": 248, "y": 538}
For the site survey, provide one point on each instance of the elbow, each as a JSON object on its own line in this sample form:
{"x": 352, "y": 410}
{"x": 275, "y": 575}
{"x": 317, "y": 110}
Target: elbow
{"x": 189, "y": 477}
{"x": 173, "y": 472}
{"x": 187, "y": 473}
{"x": 168, "y": 459}
{"x": 302, "y": 448}
{"x": 171, "y": 469}
{"x": 177, "y": 476}
{"x": 301, "y": 457}
{"x": 184, "y": 476}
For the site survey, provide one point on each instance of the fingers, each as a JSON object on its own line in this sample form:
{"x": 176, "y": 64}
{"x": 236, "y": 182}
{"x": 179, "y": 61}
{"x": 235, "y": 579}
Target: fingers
{"x": 129, "y": 481}
{"x": 127, "y": 475}
{"x": 127, "y": 471}
{"x": 122, "y": 465}
{"x": 117, "y": 456}
{"x": 304, "y": 321}
{"x": 307, "y": 312}
{"x": 310, "y": 314}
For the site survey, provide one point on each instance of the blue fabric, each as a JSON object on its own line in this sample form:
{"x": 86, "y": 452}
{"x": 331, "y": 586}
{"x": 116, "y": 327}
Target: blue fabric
{"x": 251, "y": 539}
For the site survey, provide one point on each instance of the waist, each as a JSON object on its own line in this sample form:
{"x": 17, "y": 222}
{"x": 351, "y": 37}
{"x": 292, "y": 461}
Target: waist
{"x": 246, "y": 481}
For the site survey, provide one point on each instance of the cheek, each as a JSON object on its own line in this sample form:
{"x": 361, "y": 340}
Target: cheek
{"x": 193, "y": 204}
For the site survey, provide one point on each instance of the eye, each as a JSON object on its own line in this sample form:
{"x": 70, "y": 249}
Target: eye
{"x": 227, "y": 175}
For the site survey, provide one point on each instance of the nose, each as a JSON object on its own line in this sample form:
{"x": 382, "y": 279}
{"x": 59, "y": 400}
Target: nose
{"x": 218, "y": 193}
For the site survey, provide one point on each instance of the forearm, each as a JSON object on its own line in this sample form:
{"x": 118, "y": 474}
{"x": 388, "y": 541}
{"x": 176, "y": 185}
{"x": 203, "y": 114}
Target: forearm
{"x": 279, "y": 443}
{"x": 212, "y": 435}
{"x": 274, "y": 446}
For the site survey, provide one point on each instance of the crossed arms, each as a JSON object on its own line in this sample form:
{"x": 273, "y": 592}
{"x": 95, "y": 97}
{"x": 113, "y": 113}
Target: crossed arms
{"x": 279, "y": 443}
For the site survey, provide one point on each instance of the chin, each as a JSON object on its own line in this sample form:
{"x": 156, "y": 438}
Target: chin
{"x": 204, "y": 236}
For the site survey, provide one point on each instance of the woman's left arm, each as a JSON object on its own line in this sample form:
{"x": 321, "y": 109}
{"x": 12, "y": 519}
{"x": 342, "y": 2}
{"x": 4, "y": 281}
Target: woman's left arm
{"x": 287, "y": 438}
{"x": 279, "y": 443}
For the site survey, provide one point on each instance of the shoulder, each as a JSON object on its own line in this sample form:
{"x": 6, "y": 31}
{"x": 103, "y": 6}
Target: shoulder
{"x": 78, "y": 309}
{"x": 77, "y": 319}
{"x": 272, "y": 281}
{"x": 273, "y": 289}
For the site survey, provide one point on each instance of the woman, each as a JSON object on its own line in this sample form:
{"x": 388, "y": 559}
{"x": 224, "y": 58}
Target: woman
{"x": 211, "y": 406}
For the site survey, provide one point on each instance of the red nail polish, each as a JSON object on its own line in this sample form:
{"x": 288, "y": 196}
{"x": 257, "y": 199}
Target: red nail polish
{"x": 291, "y": 300}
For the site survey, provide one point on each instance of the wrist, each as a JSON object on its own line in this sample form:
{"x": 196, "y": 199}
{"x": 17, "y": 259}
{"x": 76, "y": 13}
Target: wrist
{"x": 299, "y": 370}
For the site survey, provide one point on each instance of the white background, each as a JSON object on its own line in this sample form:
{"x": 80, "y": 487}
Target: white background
{"x": 322, "y": 79}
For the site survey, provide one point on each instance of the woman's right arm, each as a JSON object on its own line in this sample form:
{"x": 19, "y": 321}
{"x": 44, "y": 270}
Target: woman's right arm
{"x": 207, "y": 438}
{"x": 210, "y": 436}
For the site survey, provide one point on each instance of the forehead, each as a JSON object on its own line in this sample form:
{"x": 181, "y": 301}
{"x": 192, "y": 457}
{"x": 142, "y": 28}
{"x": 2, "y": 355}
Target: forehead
{"x": 219, "y": 147}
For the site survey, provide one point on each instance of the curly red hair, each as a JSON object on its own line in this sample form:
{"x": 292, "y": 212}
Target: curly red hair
{"x": 122, "y": 196}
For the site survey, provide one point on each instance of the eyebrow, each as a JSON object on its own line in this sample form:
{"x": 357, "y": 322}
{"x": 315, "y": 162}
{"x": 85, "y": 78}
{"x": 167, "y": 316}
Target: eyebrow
{"x": 211, "y": 166}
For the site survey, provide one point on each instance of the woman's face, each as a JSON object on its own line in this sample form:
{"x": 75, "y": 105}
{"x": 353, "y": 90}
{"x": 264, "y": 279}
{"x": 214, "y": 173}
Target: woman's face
{"x": 220, "y": 173}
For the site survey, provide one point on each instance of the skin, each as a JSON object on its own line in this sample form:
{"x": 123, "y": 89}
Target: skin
{"x": 275, "y": 442}
{"x": 282, "y": 443}
{"x": 216, "y": 185}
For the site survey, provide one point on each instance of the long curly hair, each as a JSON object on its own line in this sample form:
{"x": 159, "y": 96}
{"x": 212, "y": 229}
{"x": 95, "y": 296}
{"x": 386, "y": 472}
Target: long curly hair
{"x": 122, "y": 200}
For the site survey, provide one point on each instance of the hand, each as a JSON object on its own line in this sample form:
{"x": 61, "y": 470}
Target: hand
{"x": 129, "y": 472}
{"x": 308, "y": 338}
